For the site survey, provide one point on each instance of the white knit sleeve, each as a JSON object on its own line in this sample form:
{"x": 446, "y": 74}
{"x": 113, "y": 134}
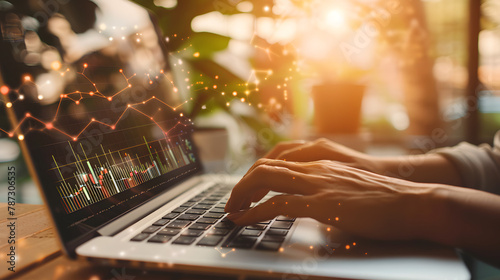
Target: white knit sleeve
{"x": 479, "y": 166}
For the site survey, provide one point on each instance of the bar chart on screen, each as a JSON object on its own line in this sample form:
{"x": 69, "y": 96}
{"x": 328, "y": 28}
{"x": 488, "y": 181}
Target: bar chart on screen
{"x": 102, "y": 175}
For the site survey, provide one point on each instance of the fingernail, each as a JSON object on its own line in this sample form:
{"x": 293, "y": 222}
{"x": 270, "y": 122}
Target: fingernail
{"x": 236, "y": 215}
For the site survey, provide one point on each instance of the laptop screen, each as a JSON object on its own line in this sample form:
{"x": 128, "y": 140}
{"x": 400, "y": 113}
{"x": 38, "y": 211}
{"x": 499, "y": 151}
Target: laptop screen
{"x": 91, "y": 94}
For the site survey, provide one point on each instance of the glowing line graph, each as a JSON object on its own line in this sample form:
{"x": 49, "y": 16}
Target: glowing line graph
{"x": 97, "y": 93}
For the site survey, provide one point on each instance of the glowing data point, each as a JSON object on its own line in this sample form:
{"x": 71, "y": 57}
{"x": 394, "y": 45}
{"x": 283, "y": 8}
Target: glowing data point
{"x": 4, "y": 90}
{"x": 235, "y": 93}
{"x": 110, "y": 98}
{"x": 93, "y": 119}
{"x": 21, "y": 97}
{"x": 242, "y": 99}
{"x": 181, "y": 114}
{"x": 196, "y": 54}
{"x": 8, "y": 104}
{"x": 74, "y": 138}
{"x": 77, "y": 102}
{"x": 281, "y": 249}
{"x": 11, "y": 135}
{"x": 85, "y": 65}
{"x": 128, "y": 105}
{"x": 113, "y": 127}
{"x": 28, "y": 115}
{"x": 20, "y": 137}
{"x": 49, "y": 125}
{"x": 91, "y": 93}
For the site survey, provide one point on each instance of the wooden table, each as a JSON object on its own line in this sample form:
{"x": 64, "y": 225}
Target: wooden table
{"x": 39, "y": 254}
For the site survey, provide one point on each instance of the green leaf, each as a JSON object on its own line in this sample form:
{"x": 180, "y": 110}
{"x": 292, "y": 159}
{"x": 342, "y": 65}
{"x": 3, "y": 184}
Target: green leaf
{"x": 205, "y": 44}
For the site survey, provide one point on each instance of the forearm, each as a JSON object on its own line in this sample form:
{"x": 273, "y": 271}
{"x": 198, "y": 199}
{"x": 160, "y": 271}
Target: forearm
{"x": 426, "y": 168}
{"x": 464, "y": 218}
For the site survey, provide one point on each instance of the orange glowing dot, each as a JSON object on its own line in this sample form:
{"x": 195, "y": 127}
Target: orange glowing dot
{"x": 129, "y": 85}
{"x": 293, "y": 178}
{"x": 4, "y": 90}
{"x": 242, "y": 99}
{"x": 336, "y": 218}
{"x": 354, "y": 244}
{"x": 328, "y": 229}
{"x": 215, "y": 86}
{"x": 311, "y": 247}
{"x": 20, "y": 137}
{"x": 74, "y": 138}
{"x": 49, "y": 126}
{"x": 8, "y": 105}
{"x": 110, "y": 98}
{"x": 77, "y": 102}
{"x": 85, "y": 65}
{"x": 27, "y": 78}
{"x": 281, "y": 249}
{"x": 128, "y": 105}
{"x": 347, "y": 247}
{"x": 93, "y": 119}
{"x": 196, "y": 54}
{"x": 366, "y": 253}
{"x": 10, "y": 134}
{"x": 113, "y": 127}
{"x": 216, "y": 77}
{"x": 121, "y": 70}
{"x": 181, "y": 114}
{"x": 91, "y": 93}
{"x": 28, "y": 115}
{"x": 235, "y": 93}
{"x": 307, "y": 205}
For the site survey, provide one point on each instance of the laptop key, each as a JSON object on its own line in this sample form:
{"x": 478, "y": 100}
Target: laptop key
{"x": 178, "y": 224}
{"x": 264, "y": 222}
{"x": 200, "y": 226}
{"x": 218, "y": 210}
{"x": 202, "y": 207}
{"x": 254, "y": 233}
{"x": 213, "y": 215}
{"x": 195, "y": 211}
{"x": 268, "y": 246}
{"x": 184, "y": 240}
{"x": 281, "y": 225}
{"x": 160, "y": 239}
{"x": 151, "y": 229}
{"x": 273, "y": 238}
{"x": 171, "y": 216}
{"x": 211, "y": 240}
{"x": 189, "y": 217}
{"x": 161, "y": 222}
{"x": 192, "y": 232}
{"x": 179, "y": 209}
{"x": 218, "y": 231}
{"x": 207, "y": 221}
{"x": 285, "y": 219}
{"x": 256, "y": 227}
{"x": 140, "y": 237}
{"x": 225, "y": 225}
{"x": 188, "y": 204}
{"x": 220, "y": 205}
{"x": 169, "y": 231}
{"x": 277, "y": 232}
{"x": 243, "y": 242}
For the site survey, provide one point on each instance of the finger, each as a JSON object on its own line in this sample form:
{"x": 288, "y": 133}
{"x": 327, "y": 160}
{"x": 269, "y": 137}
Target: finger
{"x": 308, "y": 152}
{"x": 260, "y": 195}
{"x": 299, "y": 167}
{"x": 275, "y": 178}
{"x": 290, "y": 205}
{"x": 281, "y": 147}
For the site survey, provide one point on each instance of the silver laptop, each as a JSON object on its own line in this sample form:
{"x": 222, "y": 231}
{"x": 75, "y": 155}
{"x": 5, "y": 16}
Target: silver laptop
{"x": 99, "y": 114}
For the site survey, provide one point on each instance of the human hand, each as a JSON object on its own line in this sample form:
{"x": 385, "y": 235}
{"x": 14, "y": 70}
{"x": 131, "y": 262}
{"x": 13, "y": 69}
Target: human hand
{"x": 353, "y": 200}
{"x": 322, "y": 149}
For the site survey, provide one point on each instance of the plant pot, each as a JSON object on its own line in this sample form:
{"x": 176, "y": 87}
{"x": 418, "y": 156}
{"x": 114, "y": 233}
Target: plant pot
{"x": 337, "y": 108}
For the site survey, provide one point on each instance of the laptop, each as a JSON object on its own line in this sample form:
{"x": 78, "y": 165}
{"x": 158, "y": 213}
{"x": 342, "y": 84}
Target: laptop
{"x": 97, "y": 103}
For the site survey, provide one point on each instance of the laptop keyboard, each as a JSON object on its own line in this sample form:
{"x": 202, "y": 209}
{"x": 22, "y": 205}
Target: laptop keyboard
{"x": 202, "y": 221}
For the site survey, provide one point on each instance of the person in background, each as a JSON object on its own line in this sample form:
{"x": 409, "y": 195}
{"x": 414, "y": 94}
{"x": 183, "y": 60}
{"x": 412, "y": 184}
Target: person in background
{"x": 451, "y": 196}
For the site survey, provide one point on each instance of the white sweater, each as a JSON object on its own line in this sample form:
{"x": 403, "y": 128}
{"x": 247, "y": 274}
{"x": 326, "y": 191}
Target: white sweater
{"x": 479, "y": 166}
